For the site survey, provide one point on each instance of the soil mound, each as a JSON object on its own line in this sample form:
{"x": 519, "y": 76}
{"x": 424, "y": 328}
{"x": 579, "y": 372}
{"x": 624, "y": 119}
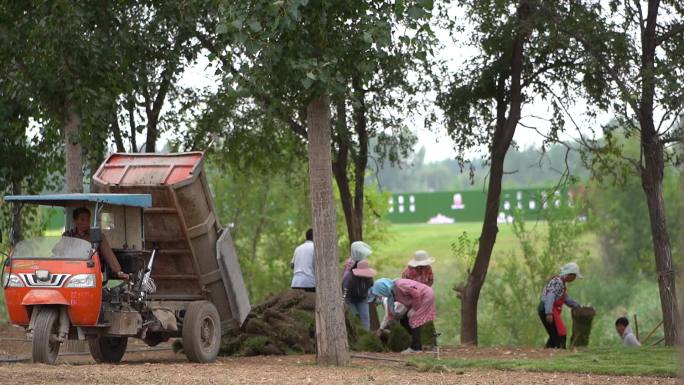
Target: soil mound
{"x": 285, "y": 324}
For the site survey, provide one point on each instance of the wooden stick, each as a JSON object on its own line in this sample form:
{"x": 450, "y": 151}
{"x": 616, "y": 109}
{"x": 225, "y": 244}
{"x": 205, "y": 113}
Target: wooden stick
{"x": 636, "y": 326}
{"x": 659, "y": 341}
{"x": 652, "y": 332}
{"x": 140, "y": 350}
{"x": 364, "y": 357}
{"x": 4, "y": 359}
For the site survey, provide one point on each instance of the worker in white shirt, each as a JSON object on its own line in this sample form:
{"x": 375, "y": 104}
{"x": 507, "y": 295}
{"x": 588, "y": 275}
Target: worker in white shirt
{"x": 625, "y": 332}
{"x": 303, "y": 267}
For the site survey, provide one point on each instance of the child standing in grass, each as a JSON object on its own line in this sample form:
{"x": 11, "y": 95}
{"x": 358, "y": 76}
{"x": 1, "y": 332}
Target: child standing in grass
{"x": 419, "y": 268}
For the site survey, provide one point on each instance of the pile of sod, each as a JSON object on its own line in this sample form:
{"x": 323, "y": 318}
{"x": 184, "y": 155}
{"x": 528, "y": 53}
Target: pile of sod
{"x": 285, "y": 324}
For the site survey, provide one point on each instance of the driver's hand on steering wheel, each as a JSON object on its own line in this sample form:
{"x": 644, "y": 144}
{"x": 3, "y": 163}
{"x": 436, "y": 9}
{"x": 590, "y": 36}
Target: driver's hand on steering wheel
{"x": 122, "y": 275}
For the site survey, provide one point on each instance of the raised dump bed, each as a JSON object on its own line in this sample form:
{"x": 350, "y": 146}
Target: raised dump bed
{"x": 195, "y": 258}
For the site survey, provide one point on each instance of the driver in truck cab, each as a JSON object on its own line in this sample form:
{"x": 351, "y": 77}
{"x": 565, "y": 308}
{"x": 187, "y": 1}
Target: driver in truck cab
{"x": 81, "y": 230}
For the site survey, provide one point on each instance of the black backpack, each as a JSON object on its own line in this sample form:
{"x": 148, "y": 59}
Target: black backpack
{"x": 357, "y": 287}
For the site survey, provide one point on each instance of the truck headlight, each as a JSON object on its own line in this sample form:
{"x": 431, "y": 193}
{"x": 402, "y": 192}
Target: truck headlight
{"x": 81, "y": 281}
{"x": 12, "y": 280}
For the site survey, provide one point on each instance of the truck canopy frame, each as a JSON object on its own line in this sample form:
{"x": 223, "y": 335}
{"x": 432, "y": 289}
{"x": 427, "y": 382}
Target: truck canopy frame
{"x": 64, "y": 200}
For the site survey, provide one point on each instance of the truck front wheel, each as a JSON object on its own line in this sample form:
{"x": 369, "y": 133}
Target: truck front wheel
{"x": 108, "y": 349}
{"x": 45, "y": 336}
{"x": 201, "y": 332}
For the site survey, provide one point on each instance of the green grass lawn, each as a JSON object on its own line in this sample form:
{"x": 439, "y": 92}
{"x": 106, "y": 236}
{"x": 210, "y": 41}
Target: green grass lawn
{"x": 390, "y": 258}
{"x": 403, "y": 240}
{"x": 612, "y": 361}
{"x": 610, "y": 296}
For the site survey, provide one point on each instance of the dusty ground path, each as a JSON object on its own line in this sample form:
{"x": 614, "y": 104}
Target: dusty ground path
{"x": 168, "y": 368}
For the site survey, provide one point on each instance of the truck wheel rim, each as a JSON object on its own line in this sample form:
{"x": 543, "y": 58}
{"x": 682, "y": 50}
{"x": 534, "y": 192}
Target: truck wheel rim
{"x": 207, "y": 333}
{"x": 53, "y": 340}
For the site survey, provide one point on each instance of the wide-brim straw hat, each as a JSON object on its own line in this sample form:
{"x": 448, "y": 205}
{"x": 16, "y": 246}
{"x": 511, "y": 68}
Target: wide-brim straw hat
{"x": 421, "y": 258}
{"x": 363, "y": 269}
{"x": 571, "y": 268}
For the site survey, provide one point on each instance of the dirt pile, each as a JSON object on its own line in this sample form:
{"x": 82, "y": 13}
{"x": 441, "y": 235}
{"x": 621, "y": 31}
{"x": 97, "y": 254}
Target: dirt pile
{"x": 285, "y": 324}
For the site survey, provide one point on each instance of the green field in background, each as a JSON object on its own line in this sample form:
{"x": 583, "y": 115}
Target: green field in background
{"x": 622, "y": 361}
{"x": 609, "y": 296}
{"x": 390, "y": 258}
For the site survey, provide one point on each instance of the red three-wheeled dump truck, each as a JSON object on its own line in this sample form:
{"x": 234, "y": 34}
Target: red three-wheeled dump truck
{"x": 156, "y": 213}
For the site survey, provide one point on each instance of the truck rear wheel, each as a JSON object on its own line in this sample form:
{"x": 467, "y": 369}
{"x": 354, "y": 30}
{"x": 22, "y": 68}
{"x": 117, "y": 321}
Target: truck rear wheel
{"x": 201, "y": 332}
{"x": 108, "y": 349}
{"x": 45, "y": 346}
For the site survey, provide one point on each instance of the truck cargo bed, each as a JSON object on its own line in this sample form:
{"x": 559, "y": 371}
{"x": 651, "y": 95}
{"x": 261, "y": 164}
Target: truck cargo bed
{"x": 196, "y": 258}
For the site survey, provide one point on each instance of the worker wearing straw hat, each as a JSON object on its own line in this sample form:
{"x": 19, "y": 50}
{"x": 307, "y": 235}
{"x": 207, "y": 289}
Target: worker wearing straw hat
{"x": 419, "y": 268}
{"x": 553, "y": 298}
{"x": 355, "y": 287}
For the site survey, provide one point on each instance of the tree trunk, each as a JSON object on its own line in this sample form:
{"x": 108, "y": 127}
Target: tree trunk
{"x": 17, "y": 230}
{"x": 131, "y": 123}
{"x": 154, "y": 111}
{"x": 652, "y": 180}
{"x": 361, "y": 159}
{"x": 116, "y": 132}
{"x": 151, "y": 142}
{"x": 331, "y": 333}
{"x": 339, "y": 168}
{"x": 72, "y": 150}
{"x": 476, "y": 277}
{"x": 503, "y": 136}
{"x": 351, "y": 218}
{"x": 652, "y": 183}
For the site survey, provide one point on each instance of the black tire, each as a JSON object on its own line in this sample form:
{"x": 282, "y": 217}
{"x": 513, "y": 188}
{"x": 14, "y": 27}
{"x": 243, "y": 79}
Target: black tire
{"x": 45, "y": 346}
{"x": 201, "y": 332}
{"x": 108, "y": 349}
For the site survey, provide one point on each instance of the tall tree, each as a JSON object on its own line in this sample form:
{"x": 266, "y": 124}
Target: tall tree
{"x": 65, "y": 69}
{"x": 633, "y": 49}
{"x": 293, "y": 59}
{"x": 26, "y": 161}
{"x": 331, "y": 342}
{"x": 287, "y": 44}
{"x": 614, "y": 197}
{"x": 374, "y": 90}
{"x": 379, "y": 94}
{"x": 157, "y": 48}
{"x": 519, "y": 51}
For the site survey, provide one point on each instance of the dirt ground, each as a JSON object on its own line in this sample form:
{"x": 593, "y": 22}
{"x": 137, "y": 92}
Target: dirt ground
{"x": 166, "y": 367}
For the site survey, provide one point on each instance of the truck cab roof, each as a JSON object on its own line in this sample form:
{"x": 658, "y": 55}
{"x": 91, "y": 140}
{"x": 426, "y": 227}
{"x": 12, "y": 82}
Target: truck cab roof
{"x": 66, "y": 200}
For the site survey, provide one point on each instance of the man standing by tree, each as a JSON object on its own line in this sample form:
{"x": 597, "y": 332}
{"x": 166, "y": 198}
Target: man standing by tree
{"x": 303, "y": 265}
